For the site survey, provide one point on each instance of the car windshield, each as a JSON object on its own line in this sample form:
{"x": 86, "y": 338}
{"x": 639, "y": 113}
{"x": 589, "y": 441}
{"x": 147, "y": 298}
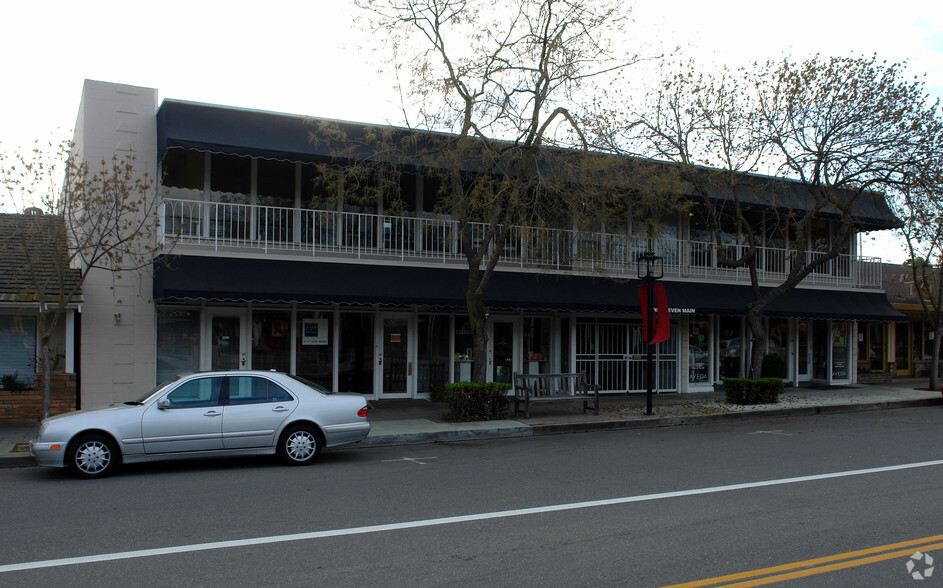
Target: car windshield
{"x": 310, "y": 384}
{"x": 153, "y": 391}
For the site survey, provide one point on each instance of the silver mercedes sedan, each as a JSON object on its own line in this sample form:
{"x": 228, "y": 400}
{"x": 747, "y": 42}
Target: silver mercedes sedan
{"x": 205, "y": 414}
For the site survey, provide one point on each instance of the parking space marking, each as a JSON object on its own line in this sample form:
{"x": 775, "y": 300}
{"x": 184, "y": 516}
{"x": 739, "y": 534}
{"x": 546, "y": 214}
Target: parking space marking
{"x": 419, "y": 460}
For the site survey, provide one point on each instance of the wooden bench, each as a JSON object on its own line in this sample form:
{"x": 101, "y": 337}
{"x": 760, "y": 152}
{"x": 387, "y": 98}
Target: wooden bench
{"x": 553, "y": 387}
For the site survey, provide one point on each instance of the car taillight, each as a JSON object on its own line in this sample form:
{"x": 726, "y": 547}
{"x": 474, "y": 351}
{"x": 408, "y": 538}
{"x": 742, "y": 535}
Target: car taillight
{"x": 362, "y": 412}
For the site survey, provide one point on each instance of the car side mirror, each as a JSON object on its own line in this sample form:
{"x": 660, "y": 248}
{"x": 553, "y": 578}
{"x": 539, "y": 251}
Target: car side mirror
{"x": 163, "y": 403}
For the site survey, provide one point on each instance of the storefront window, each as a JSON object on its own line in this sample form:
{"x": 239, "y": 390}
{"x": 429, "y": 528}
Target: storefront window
{"x": 876, "y": 351}
{"x": 537, "y": 345}
{"x": 565, "y": 346}
{"x": 802, "y": 352}
{"x": 902, "y": 348}
{"x": 178, "y": 341}
{"x": 433, "y": 344}
{"x": 820, "y": 343}
{"x": 730, "y": 346}
{"x": 778, "y": 338}
{"x": 18, "y": 348}
{"x": 463, "y": 349}
{"x": 699, "y": 350}
{"x": 355, "y": 369}
{"x": 840, "y": 351}
{"x": 314, "y": 344}
{"x": 271, "y": 340}
{"x": 919, "y": 337}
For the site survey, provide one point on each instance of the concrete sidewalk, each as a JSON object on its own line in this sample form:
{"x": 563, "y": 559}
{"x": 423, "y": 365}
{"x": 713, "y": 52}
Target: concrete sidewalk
{"x": 402, "y": 422}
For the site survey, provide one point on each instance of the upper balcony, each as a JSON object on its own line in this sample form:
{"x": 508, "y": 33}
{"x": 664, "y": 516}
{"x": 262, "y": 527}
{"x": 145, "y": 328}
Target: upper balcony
{"x": 431, "y": 239}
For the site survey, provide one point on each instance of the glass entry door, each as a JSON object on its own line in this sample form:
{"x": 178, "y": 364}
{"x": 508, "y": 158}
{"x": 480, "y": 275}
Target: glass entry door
{"x": 804, "y": 351}
{"x": 228, "y": 342}
{"x": 394, "y": 357}
{"x": 502, "y": 350}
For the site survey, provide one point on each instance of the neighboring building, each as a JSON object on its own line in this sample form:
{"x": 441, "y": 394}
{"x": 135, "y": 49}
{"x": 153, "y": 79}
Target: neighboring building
{"x": 361, "y": 299}
{"x": 32, "y": 275}
{"x": 902, "y": 348}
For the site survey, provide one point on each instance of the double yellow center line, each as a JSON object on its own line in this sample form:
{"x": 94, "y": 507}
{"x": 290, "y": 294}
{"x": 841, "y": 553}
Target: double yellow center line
{"x": 822, "y": 565}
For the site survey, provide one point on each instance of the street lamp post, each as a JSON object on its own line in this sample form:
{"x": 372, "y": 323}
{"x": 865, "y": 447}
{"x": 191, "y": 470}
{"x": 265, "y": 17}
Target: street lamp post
{"x": 654, "y": 269}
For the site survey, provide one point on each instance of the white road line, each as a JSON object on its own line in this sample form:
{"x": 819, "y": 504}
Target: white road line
{"x": 419, "y": 460}
{"x": 105, "y": 557}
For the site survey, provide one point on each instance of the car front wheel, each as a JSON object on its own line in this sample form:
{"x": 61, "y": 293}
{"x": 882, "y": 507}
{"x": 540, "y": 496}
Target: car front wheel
{"x": 91, "y": 456}
{"x": 299, "y": 445}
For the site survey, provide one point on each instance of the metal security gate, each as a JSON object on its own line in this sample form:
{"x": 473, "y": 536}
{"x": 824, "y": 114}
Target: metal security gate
{"x": 613, "y": 355}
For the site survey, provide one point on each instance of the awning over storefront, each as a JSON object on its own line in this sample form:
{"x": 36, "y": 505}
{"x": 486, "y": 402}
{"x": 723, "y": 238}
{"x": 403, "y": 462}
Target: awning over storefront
{"x": 287, "y": 137}
{"x": 227, "y": 279}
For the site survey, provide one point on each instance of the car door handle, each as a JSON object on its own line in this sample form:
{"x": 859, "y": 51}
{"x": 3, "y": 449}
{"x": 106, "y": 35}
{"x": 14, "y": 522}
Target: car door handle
{"x": 279, "y": 409}
{"x": 212, "y": 413}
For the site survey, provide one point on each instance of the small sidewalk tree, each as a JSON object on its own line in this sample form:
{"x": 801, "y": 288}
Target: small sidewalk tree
{"x": 921, "y": 206}
{"x": 106, "y": 220}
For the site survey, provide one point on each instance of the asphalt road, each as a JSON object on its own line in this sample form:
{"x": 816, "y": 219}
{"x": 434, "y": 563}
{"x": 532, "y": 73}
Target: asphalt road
{"x": 628, "y": 508}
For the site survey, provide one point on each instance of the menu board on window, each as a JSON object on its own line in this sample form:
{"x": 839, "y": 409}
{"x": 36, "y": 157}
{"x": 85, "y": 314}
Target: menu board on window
{"x": 839, "y": 369}
{"x": 314, "y": 332}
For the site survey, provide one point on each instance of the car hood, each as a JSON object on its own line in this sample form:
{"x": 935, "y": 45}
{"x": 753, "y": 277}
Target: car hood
{"x": 114, "y": 407}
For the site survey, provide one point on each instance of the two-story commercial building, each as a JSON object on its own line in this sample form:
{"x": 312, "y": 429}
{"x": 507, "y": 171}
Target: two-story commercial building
{"x": 365, "y": 297}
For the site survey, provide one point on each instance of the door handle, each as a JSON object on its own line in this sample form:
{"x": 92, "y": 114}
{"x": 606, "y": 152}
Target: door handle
{"x": 212, "y": 413}
{"x": 279, "y": 409}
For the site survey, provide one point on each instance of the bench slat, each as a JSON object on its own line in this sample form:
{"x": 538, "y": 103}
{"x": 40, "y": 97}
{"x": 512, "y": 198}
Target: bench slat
{"x": 553, "y": 387}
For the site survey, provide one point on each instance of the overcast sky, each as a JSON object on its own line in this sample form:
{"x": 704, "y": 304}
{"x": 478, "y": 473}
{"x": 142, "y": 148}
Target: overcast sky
{"x": 307, "y": 58}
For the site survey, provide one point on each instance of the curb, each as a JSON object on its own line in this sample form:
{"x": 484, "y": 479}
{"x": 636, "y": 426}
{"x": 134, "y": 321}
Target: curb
{"x": 445, "y": 436}
{"x": 569, "y": 428}
{"x": 26, "y": 461}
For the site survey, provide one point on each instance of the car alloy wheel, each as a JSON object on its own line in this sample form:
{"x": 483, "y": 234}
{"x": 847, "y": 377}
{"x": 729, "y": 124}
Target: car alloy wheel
{"x": 92, "y": 456}
{"x": 300, "y": 445}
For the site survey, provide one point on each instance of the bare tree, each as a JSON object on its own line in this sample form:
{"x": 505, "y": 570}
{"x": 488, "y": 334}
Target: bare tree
{"x": 507, "y": 80}
{"x": 921, "y": 207}
{"x": 843, "y": 131}
{"x": 98, "y": 216}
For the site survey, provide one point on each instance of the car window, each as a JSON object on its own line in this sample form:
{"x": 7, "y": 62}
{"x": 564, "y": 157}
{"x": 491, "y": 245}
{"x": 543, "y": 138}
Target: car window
{"x": 196, "y": 393}
{"x": 310, "y": 384}
{"x": 250, "y": 389}
{"x": 153, "y": 391}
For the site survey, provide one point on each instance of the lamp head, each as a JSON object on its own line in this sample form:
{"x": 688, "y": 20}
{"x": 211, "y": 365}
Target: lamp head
{"x": 650, "y": 266}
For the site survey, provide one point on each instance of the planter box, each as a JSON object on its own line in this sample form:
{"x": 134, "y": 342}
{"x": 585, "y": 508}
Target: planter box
{"x": 876, "y": 378}
{"x": 27, "y": 405}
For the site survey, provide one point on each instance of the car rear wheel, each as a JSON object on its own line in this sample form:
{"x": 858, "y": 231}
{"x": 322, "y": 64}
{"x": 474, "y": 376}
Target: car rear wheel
{"x": 92, "y": 456}
{"x": 299, "y": 445}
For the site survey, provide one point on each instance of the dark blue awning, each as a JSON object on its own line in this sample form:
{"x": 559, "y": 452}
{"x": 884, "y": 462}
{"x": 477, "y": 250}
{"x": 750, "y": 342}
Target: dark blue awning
{"x": 287, "y": 137}
{"x": 228, "y": 279}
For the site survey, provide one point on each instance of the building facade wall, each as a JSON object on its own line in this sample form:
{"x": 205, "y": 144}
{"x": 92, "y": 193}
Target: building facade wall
{"x": 129, "y": 342}
{"x": 117, "y": 359}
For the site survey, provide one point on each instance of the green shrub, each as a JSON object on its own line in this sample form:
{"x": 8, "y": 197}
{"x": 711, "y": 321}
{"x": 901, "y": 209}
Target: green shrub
{"x": 774, "y": 366}
{"x": 468, "y": 401}
{"x": 437, "y": 394}
{"x": 747, "y": 391}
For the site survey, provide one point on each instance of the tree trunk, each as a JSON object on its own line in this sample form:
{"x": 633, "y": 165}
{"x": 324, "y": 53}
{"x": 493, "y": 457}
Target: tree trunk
{"x": 46, "y": 377}
{"x": 478, "y": 321}
{"x": 935, "y": 358}
{"x": 758, "y": 345}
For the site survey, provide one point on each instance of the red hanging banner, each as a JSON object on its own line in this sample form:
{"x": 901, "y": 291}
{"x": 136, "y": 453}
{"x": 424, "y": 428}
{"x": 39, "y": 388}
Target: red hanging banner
{"x": 662, "y": 326}
{"x": 663, "y": 321}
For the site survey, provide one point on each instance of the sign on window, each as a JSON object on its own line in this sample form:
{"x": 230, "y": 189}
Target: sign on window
{"x": 314, "y": 332}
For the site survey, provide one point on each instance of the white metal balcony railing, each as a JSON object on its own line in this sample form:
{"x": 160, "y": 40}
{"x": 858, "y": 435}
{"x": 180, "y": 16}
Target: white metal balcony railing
{"x": 330, "y": 233}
